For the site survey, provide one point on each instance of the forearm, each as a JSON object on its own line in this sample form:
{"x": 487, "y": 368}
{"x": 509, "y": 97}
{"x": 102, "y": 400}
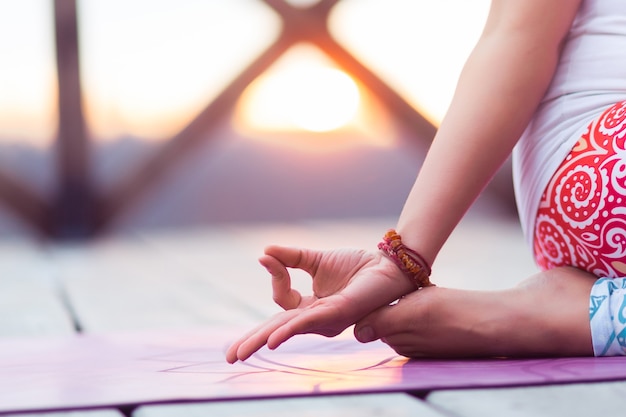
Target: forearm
{"x": 499, "y": 89}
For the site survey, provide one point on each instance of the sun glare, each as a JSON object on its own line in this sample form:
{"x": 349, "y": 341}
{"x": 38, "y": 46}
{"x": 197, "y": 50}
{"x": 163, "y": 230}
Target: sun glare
{"x": 322, "y": 99}
{"x": 303, "y": 92}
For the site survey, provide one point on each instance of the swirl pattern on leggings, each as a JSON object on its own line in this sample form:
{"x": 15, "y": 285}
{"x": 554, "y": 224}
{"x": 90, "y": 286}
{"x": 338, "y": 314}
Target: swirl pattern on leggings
{"x": 581, "y": 219}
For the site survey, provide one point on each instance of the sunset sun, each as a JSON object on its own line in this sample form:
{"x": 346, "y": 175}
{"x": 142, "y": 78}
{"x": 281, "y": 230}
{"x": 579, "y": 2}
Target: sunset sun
{"x": 300, "y": 94}
{"x": 320, "y": 99}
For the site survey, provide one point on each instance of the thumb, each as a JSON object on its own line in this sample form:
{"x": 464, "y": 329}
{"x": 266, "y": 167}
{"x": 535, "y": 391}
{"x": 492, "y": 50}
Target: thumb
{"x": 381, "y": 323}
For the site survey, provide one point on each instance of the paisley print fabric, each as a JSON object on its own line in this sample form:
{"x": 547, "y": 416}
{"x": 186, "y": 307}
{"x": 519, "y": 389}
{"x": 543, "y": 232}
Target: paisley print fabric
{"x": 581, "y": 220}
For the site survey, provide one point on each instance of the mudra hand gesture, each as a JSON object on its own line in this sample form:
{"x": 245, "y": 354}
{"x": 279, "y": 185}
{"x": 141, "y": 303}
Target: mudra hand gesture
{"x": 347, "y": 285}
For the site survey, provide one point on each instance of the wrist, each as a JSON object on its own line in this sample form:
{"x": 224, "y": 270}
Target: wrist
{"x": 399, "y": 281}
{"x": 410, "y": 262}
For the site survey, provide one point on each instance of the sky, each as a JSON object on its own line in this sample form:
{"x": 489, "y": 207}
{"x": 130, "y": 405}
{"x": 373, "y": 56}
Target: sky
{"x": 27, "y": 72}
{"x": 149, "y": 66}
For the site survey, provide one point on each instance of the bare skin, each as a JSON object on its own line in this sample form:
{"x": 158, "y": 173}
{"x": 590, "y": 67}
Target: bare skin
{"x": 546, "y": 315}
{"x": 502, "y": 83}
{"x": 347, "y": 284}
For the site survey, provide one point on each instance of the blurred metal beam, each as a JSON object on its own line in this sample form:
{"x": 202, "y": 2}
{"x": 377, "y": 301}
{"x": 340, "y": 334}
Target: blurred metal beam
{"x": 125, "y": 193}
{"x": 413, "y": 120}
{"x": 311, "y": 25}
{"x": 299, "y": 25}
{"x": 308, "y": 24}
{"x": 25, "y": 204}
{"x": 72, "y": 214}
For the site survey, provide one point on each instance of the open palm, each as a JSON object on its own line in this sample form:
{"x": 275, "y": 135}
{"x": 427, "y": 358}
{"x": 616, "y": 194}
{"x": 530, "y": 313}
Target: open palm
{"x": 347, "y": 284}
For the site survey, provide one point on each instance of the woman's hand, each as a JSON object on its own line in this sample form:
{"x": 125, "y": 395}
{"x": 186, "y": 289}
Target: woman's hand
{"x": 547, "y": 315}
{"x": 347, "y": 285}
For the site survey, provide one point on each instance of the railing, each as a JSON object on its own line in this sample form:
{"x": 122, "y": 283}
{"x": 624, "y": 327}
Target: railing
{"x": 77, "y": 210}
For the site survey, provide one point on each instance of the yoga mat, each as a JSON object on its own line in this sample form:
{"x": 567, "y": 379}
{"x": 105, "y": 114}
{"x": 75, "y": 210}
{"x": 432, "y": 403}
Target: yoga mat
{"x": 128, "y": 369}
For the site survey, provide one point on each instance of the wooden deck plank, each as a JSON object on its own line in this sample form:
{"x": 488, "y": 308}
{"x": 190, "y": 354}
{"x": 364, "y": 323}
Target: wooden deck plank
{"x": 211, "y": 277}
{"x": 123, "y": 285}
{"x": 77, "y": 413}
{"x": 574, "y": 400}
{"x": 31, "y": 302}
{"x": 31, "y": 305}
{"x": 392, "y": 405}
{"x": 484, "y": 254}
{"x": 479, "y": 255}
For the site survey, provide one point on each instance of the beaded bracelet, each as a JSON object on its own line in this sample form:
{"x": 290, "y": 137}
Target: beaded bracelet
{"x": 409, "y": 261}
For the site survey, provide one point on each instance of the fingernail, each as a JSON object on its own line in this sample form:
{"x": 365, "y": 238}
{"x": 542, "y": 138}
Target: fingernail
{"x": 365, "y": 334}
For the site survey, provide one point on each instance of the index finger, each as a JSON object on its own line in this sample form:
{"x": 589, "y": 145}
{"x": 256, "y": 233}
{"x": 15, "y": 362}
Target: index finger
{"x": 305, "y": 259}
{"x": 282, "y": 293}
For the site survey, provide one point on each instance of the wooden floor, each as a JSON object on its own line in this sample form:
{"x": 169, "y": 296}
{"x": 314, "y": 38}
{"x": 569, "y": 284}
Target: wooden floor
{"x": 209, "y": 276}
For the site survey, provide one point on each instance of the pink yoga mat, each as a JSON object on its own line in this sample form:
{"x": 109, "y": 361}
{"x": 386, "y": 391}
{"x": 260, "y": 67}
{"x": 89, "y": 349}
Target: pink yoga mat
{"x": 141, "y": 368}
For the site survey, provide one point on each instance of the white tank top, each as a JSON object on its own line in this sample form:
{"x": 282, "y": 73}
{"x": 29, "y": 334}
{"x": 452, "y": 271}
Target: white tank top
{"x": 590, "y": 77}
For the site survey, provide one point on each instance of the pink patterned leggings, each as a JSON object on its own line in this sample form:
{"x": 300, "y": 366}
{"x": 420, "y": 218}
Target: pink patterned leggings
{"x": 581, "y": 220}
